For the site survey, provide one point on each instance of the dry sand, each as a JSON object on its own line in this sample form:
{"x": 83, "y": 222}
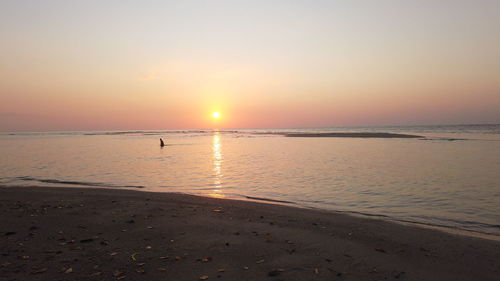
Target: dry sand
{"x": 104, "y": 234}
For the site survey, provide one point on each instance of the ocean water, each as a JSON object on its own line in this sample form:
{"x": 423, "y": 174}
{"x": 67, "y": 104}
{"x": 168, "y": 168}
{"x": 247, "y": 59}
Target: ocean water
{"x": 449, "y": 179}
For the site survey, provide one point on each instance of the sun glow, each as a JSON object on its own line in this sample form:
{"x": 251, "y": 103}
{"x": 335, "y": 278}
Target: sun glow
{"x": 216, "y": 115}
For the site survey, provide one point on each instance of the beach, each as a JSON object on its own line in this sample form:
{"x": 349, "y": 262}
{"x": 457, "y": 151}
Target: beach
{"x": 429, "y": 181}
{"x": 58, "y": 233}
{"x": 250, "y": 140}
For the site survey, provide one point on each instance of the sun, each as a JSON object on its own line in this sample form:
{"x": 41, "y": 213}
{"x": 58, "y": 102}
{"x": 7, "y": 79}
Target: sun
{"x": 216, "y": 115}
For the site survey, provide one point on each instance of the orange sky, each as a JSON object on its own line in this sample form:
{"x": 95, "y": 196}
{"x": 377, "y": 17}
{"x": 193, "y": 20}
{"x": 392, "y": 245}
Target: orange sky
{"x": 94, "y": 65}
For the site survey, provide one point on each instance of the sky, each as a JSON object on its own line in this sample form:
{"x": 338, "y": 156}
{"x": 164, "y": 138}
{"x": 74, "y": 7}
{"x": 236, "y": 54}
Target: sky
{"x": 115, "y": 65}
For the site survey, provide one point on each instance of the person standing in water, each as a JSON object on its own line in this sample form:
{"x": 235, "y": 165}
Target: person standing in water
{"x": 162, "y": 144}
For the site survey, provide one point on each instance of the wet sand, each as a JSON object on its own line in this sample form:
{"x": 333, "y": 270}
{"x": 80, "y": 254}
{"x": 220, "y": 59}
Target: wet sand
{"x": 105, "y": 234}
{"x": 351, "y": 135}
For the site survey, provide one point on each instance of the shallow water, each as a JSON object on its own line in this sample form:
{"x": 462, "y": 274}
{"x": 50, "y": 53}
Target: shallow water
{"x": 454, "y": 184}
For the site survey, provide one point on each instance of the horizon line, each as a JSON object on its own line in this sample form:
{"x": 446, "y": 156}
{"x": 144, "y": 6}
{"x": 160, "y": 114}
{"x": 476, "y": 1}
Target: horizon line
{"x": 254, "y": 128}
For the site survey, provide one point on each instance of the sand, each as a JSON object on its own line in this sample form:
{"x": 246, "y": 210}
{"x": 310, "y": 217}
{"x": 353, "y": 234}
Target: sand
{"x": 350, "y": 135}
{"x": 105, "y": 234}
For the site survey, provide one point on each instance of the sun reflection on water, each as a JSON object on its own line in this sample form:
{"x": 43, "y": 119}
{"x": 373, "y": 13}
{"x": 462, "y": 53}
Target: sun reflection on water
{"x": 217, "y": 166}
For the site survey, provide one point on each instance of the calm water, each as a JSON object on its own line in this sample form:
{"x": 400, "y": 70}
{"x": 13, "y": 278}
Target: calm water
{"x": 454, "y": 184}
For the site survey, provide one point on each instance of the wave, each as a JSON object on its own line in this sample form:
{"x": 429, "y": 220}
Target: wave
{"x": 461, "y": 226}
{"x": 81, "y": 183}
{"x": 146, "y": 133}
{"x": 268, "y": 200}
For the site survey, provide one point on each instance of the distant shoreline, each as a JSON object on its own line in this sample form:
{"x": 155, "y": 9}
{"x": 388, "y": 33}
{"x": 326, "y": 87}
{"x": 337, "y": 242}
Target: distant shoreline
{"x": 350, "y": 135}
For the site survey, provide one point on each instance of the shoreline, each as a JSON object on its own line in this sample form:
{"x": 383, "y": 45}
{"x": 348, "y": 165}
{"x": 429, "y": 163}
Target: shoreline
{"x": 263, "y": 200}
{"x": 57, "y": 233}
{"x": 387, "y": 218}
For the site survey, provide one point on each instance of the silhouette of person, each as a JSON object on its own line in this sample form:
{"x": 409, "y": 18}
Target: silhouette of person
{"x": 162, "y": 144}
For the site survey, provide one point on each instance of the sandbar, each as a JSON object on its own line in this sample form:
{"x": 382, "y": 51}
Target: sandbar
{"x": 350, "y": 135}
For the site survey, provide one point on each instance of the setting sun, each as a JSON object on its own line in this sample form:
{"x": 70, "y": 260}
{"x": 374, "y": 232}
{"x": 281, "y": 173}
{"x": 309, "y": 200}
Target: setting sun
{"x": 216, "y": 115}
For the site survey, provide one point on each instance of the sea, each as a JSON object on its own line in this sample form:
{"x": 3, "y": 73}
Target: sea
{"x": 448, "y": 179}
